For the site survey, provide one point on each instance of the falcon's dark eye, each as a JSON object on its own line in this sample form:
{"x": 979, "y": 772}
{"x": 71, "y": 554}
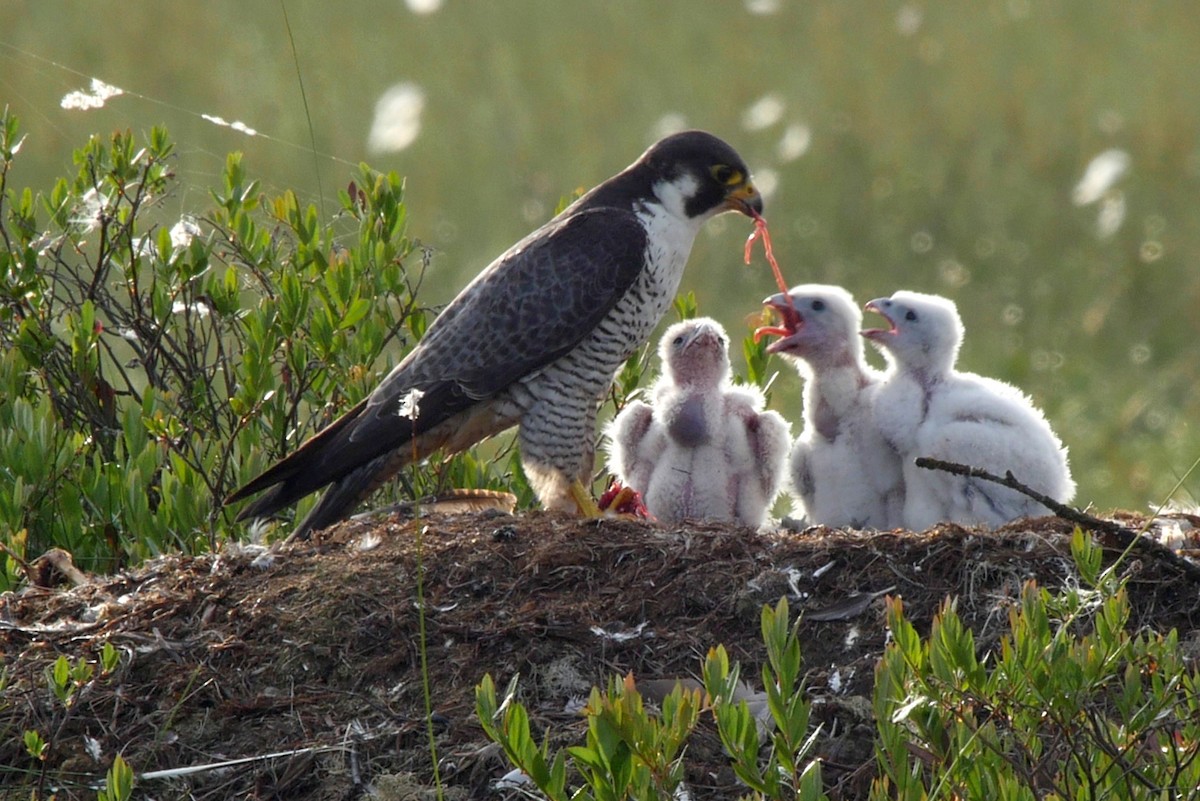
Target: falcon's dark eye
{"x": 818, "y": 305}
{"x": 910, "y": 315}
{"x": 726, "y": 175}
{"x": 677, "y": 340}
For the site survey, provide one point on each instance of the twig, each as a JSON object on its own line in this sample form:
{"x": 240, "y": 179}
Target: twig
{"x": 174, "y": 773}
{"x": 1126, "y": 538}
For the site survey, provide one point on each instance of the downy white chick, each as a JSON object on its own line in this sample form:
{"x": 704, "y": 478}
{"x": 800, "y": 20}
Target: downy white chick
{"x": 704, "y": 450}
{"x": 927, "y": 408}
{"x": 841, "y": 469}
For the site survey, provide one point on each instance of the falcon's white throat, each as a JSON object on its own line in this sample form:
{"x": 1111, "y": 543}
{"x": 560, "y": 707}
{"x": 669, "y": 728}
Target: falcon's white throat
{"x": 670, "y": 234}
{"x": 676, "y": 193}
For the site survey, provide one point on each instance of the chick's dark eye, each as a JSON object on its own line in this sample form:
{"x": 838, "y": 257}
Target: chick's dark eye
{"x": 818, "y": 305}
{"x": 677, "y": 340}
{"x": 910, "y": 315}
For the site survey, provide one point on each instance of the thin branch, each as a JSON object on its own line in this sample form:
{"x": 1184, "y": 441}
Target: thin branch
{"x": 1126, "y": 538}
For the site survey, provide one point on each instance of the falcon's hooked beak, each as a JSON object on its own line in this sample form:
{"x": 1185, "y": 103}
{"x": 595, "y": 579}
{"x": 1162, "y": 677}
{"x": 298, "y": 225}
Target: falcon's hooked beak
{"x": 879, "y": 306}
{"x": 791, "y": 320}
{"x": 744, "y": 198}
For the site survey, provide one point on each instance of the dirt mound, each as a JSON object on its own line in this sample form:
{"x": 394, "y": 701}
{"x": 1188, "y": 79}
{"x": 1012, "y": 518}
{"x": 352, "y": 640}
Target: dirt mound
{"x": 313, "y": 652}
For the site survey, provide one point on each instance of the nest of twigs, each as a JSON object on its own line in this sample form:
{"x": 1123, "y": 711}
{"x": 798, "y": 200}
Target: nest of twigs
{"x": 305, "y": 663}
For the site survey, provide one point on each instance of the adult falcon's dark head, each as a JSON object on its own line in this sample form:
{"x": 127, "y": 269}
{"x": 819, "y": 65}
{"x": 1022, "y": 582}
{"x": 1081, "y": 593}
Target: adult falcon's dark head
{"x": 694, "y": 174}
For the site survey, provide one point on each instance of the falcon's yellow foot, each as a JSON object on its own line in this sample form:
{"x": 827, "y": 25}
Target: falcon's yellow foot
{"x": 583, "y": 501}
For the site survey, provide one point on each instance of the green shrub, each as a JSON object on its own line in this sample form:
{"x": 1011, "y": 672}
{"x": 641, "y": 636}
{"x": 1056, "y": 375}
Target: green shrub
{"x": 43, "y": 722}
{"x": 118, "y": 783}
{"x": 148, "y": 364}
{"x": 1072, "y": 704}
{"x": 633, "y": 753}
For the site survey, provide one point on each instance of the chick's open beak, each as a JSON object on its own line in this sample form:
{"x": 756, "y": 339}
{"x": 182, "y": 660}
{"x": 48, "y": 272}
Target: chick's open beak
{"x": 779, "y": 306}
{"x": 879, "y": 306}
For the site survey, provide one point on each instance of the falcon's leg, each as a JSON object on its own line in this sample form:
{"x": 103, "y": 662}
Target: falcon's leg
{"x": 584, "y": 502}
{"x": 557, "y": 453}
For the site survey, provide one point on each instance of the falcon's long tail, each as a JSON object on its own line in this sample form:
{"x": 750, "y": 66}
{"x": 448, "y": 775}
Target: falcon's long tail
{"x": 297, "y": 474}
{"x": 358, "y": 452}
{"x": 343, "y": 495}
{"x": 316, "y": 464}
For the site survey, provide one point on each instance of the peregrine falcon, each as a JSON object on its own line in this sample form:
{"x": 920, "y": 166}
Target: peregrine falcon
{"x": 841, "y": 469}
{"x": 705, "y": 450}
{"x": 927, "y": 408}
{"x": 535, "y": 339}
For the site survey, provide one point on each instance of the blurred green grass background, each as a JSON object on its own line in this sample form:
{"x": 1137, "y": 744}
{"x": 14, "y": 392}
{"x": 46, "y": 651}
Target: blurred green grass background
{"x": 928, "y": 146}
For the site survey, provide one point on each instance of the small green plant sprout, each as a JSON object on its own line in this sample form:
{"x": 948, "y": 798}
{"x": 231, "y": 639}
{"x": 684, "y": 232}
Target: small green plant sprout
{"x": 758, "y": 372}
{"x": 35, "y": 746}
{"x": 109, "y": 658}
{"x": 789, "y": 770}
{"x": 66, "y": 678}
{"x": 1069, "y": 705}
{"x": 118, "y": 784}
{"x": 507, "y": 723}
{"x": 59, "y": 677}
{"x": 629, "y": 750}
{"x": 686, "y": 306}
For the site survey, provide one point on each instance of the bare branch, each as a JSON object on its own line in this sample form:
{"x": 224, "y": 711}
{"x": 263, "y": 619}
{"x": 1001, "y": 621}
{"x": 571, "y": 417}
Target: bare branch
{"x": 1125, "y": 538}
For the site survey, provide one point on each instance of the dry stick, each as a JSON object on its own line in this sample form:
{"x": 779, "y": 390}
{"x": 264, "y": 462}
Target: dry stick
{"x": 1126, "y": 538}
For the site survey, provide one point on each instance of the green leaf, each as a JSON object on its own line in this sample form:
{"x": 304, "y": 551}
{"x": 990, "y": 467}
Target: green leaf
{"x": 355, "y": 312}
{"x": 1087, "y": 555}
{"x": 60, "y": 674}
{"x": 109, "y": 657}
{"x": 118, "y": 785}
{"x": 35, "y": 746}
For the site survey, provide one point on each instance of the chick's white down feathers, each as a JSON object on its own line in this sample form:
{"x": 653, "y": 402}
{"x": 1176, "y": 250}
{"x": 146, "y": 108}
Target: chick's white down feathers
{"x": 702, "y": 449}
{"x": 841, "y": 470}
{"x": 925, "y": 407}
